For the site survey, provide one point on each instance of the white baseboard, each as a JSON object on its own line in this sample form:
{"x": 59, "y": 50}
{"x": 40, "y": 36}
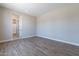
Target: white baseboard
{"x": 9, "y": 40}
{"x": 14, "y": 39}
{"x": 27, "y": 37}
{"x": 42, "y": 37}
{"x": 76, "y": 44}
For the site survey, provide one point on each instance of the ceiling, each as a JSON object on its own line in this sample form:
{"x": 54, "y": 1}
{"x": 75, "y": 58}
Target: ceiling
{"x": 34, "y": 9}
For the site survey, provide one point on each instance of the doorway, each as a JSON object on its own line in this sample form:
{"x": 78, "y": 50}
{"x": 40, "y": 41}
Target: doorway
{"x": 15, "y": 26}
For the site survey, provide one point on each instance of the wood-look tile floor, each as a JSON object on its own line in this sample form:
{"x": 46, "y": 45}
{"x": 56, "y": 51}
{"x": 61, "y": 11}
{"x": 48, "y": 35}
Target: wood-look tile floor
{"x": 37, "y": 46}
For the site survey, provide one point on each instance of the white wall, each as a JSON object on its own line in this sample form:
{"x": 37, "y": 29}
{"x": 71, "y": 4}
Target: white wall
{"x": 1, "y": 26}
{"x": 27, "y": 29}
{"x": 28, "y": 26}
{"x": 60, "y": 24}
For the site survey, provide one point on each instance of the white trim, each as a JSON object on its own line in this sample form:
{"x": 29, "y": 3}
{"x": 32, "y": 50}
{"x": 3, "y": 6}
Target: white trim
{"x": 14, "y": 39}
{"x": 76, "y": 44}
{"x": 27, "y": 37}
{"x": 9, "y": 40}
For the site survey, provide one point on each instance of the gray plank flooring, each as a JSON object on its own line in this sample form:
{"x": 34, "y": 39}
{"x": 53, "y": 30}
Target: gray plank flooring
{"x": 37, "y": 46}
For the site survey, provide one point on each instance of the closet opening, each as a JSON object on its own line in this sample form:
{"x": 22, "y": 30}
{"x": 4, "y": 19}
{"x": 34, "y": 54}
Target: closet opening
{"x": 15, "y": 26}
